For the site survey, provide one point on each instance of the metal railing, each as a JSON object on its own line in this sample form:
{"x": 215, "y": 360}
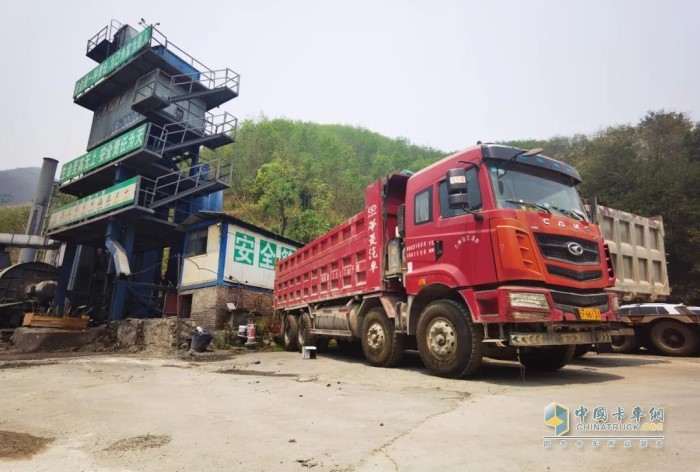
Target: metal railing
{"x": 209, "y": 79}
{"x": 206, "y": 126}
{"x": 168, "y": 88}
{"x": 184, "y": 182}
{"x": 156, "y": 138}
{"x": 160, "y": 39}
{"x": 107, "y": 33}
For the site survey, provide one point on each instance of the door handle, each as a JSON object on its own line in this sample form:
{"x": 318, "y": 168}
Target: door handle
{"x": 438, "y": 249}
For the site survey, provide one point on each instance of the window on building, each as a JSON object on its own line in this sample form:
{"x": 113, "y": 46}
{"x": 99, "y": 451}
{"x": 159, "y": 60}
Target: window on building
{"x": 473, "y": 193}
{"x": 197, "y": 242}
{"x": 423, "y": 205}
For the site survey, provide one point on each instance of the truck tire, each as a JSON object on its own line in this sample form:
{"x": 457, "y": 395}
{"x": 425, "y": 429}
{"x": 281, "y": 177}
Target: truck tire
{"x": 672, "y": 338}
{"x": 290, "y": 332}
{"x": 304, "y": 337}
{"x": 449, "y": 342}
{"x": 381, "y": 346}
{"x": 547, "y": 358}
{"x": 624, "y": 344}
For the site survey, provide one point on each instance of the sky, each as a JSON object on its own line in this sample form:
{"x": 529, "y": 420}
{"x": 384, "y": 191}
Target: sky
{"x": 439, "y": 73}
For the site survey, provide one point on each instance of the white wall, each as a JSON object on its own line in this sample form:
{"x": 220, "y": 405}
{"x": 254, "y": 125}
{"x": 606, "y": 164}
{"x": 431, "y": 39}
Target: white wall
{"x": 250, "y": 257}
{"x": 204, "y": 267}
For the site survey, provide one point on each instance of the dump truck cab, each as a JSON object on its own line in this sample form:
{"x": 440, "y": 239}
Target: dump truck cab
{"x": 520, "y": 249}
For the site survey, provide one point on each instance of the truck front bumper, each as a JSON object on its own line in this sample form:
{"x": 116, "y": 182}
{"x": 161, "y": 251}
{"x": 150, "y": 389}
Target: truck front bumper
{"x": 520, "y": 304}
{"x": 594, "y": 336}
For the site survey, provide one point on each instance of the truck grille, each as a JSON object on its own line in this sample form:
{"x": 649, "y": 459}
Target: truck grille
{"x": 583, "y": 276}
{"x": 555, "y": 247}
{"x": 570, "y": 302}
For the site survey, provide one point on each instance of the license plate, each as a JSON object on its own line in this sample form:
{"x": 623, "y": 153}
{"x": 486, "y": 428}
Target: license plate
{"x": 591, "y": 314}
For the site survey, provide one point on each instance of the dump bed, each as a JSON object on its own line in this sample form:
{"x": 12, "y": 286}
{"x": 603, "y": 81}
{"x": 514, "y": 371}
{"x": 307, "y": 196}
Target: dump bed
{"x": 637, "y": 249}
{"x": 349, "y": 259}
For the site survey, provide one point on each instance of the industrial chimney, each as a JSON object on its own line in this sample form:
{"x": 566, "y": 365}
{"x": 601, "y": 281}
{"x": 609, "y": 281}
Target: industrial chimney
{"x": 42, "y": 196}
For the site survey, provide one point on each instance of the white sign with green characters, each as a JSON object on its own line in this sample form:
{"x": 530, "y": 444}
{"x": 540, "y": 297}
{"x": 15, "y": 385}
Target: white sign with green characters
{"x": 268, "y": 254}
{"x": 111, "y": 198}
{"x": 285, "y": 251}
{"x": 244, "y": 249}
{"x": 121, "y": 56}
{"x": 109, "y": 151}
{"x": 251, "y": 257}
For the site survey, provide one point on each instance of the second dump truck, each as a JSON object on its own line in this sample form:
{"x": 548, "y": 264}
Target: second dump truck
{"x": 488, "y": 252}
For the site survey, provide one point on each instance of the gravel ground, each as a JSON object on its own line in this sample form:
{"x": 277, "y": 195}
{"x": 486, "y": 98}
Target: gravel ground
{"x": 275, "y": 411}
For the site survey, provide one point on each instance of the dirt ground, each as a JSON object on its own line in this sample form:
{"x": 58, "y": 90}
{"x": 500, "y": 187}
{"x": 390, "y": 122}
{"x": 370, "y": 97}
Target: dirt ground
{"x": 275, "y": 411}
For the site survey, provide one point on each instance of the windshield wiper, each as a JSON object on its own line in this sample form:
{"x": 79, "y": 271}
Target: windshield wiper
{"x": 530, "y": 204}
{"x": 571, "y": 213}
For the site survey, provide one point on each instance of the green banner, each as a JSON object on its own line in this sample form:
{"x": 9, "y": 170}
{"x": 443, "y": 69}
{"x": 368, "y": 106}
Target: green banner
{"x": 122, "y": 55}
{"x": 116, "y": 196}
{"x": 109, "y": 151}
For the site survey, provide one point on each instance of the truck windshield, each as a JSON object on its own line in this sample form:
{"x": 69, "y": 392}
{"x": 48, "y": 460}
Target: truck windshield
{"x": 523, "y": 186}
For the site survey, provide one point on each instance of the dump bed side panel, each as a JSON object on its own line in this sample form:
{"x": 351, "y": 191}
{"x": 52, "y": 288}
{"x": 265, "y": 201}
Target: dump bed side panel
{"x": 639, "y": 257}
{"x": 346, "y": 261}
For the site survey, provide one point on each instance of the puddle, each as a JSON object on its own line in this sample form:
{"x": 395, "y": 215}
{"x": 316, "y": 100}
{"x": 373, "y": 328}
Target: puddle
{"x": 15, "y": 446}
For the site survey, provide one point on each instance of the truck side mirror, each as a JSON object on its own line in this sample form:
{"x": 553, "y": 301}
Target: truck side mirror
{"x": 457, "y": 195}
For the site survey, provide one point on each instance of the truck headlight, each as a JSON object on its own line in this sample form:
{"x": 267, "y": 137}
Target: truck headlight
{"x": 528, "y": 300}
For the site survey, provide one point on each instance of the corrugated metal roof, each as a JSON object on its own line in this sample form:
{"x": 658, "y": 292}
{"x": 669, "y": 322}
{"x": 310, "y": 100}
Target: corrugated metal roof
{"x": 202, "y": 216}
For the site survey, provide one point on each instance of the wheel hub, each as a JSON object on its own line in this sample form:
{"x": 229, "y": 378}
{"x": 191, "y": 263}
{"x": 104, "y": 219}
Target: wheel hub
{"x": 376, "y": 337}
{"x": 673, "y": 339}
{"x": 442, "y": 339}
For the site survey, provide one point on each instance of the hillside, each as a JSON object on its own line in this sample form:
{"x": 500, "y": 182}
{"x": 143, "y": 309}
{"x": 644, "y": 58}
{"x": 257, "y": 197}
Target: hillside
{"x": 300, "y": 179}
{"x": 17, "y": 185}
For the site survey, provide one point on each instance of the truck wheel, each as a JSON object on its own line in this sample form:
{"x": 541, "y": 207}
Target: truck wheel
{"x": 449, "y": 342}
{"x": 304, "y": 337}
{"x": 381, "y": 346}
{"x": 672, "y": 338}
{"x": 624, "y": 344}
{"x": 547, "y": 358}
{"x": 290, "y": 333}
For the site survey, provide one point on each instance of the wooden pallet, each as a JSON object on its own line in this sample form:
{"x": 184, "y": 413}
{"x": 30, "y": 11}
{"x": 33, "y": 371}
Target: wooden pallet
{"x": 68, "y": 323}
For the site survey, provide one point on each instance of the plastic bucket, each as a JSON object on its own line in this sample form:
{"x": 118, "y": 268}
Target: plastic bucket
{"x": 308, "y": 352}
{"x": 251, "y": 330}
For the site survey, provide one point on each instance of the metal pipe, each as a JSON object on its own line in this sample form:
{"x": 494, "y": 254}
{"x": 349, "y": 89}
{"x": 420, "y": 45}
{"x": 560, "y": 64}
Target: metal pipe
{"x": 42, "y": 196}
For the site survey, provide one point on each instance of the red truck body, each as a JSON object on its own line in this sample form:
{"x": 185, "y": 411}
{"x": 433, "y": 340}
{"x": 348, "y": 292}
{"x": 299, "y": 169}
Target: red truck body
{"x": 348, "y": 260}
{"x": 523, "y": 276}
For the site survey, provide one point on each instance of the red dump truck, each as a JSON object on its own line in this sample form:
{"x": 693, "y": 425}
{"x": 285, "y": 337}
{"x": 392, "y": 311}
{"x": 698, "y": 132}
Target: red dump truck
{"x": 488, "y": 252}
